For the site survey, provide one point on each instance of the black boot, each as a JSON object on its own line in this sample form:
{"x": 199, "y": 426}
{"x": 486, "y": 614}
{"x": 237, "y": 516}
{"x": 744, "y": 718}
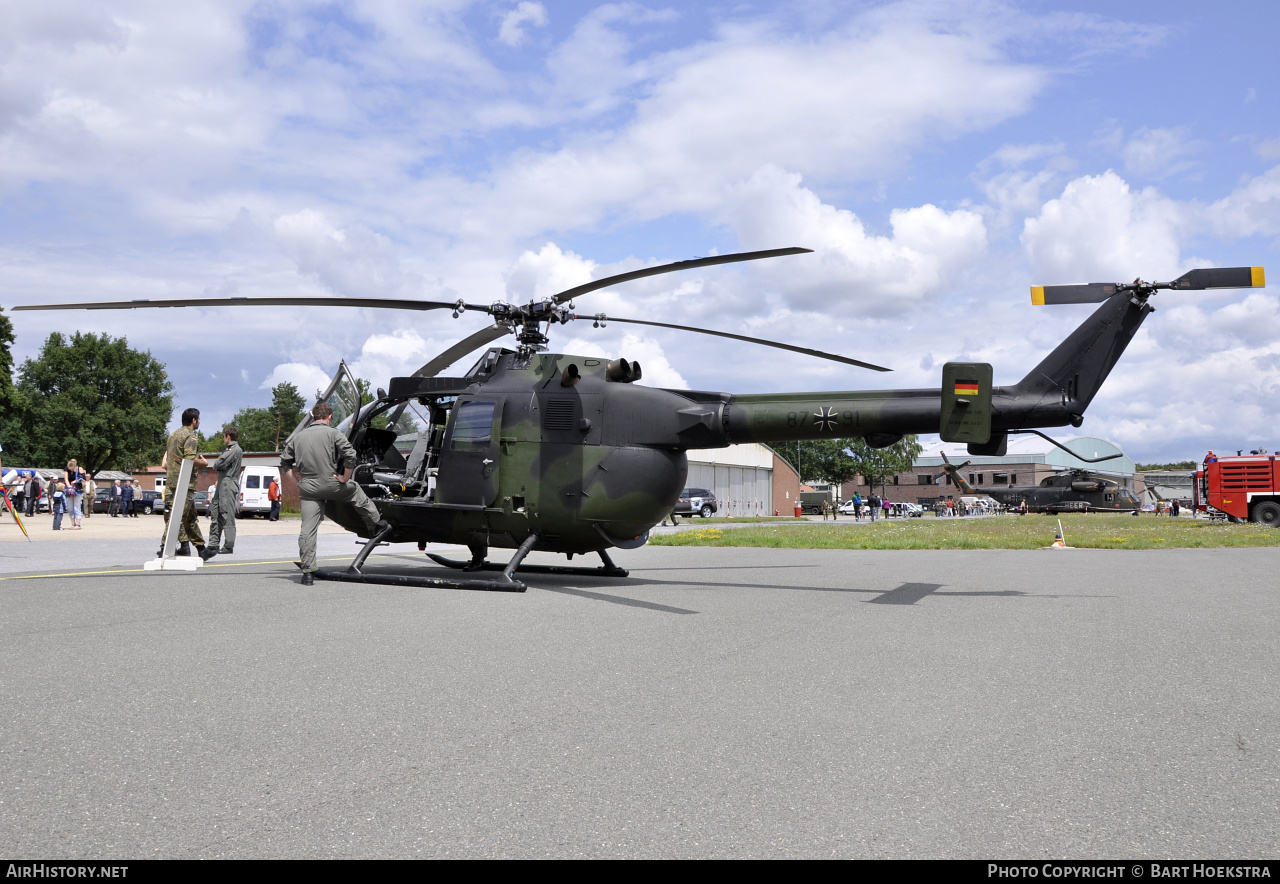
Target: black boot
{"x": 207, "y": 552}
{"x": 478, "y": 554}
{"x": 307, "y": 579}
{"x": 185, "y": 549}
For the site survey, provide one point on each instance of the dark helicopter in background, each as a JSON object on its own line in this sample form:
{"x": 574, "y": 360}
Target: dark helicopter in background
{"x": 1073, "y": 491}
{"x": 534, "y": 450}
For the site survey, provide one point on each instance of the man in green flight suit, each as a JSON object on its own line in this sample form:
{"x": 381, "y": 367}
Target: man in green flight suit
{"x": 314, "y": 455}
{"x": 184, "y": 444}
{"x": 222, "y": 497}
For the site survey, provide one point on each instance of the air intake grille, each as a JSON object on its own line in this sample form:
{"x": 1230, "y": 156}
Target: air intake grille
{"x": 558, "y": 414}
{"x": 1247, "y": 477}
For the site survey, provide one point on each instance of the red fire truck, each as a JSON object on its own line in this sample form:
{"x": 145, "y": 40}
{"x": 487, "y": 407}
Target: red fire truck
{"x": 1243, "y": 486}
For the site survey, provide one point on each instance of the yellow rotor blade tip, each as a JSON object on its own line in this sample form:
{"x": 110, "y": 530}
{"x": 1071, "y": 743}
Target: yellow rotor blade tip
{"x": 1259, "y": 277}
{"x": 1037, "y": 295}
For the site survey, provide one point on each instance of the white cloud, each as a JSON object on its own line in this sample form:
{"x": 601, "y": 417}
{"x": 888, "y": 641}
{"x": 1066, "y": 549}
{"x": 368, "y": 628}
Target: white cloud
{"x": 591, "y": 70}
{"x": 511, "y": 30}
{"x": 1252, "y": 208}
{"x": 1268, "y": 149}
{"x": 1014, "y": 192}
{"x": 307, "y": 378}
{"x": 1201, "y": 379}
{"x": 548, "y": 271}
{"x": 1159, "y": 153}
{"x": 852, "y": 270}
{"x": 355, "y": 262}
{"x": 850, "y": 103}
{"x": 1099, "y": 230}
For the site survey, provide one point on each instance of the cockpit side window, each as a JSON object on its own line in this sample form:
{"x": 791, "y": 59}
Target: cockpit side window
{"x": 473, "y": 426}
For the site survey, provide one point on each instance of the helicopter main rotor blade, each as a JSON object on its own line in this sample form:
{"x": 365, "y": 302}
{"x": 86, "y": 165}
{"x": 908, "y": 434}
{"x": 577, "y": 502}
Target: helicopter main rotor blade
{"x": 462, "y": 348}
{"x": 569, "y": 294}
{"x": 719, "y": 334}
{"x": 269, "y": 301}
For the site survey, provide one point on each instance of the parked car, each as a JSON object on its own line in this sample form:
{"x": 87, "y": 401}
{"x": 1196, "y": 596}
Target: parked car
{"x": 149, "y": 502}
{"x": 202, "y": 503}
{"x": 102, "y": 500}
{"x": 696, "y": 501}
{"x": 254, "y": 483}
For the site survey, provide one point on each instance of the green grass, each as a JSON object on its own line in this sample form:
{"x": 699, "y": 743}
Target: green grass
{"x": 1093, "y": 531}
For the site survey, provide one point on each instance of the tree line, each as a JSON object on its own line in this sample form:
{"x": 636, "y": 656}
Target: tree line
{"x": 92, "y": 397}
{"x": 838, "y": 461}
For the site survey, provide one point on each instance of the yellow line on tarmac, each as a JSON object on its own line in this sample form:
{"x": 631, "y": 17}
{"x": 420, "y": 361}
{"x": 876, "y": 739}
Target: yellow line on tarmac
{"x": 141, "y": 570}
{"x": 73, "y": 574}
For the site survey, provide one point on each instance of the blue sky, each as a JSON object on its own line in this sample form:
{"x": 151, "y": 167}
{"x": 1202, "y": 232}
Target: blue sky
{"x": 940, "y": 159}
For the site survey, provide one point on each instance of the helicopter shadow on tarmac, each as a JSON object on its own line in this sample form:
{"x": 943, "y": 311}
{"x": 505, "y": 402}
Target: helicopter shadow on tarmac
{"x": 586, "y": 586}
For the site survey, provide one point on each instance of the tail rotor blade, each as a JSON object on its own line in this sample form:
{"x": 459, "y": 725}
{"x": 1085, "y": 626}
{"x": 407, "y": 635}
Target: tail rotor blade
{"x": 1090, "y": 293}
{"x": 1192, "y": 280}
{"x": 1222, "y": 278}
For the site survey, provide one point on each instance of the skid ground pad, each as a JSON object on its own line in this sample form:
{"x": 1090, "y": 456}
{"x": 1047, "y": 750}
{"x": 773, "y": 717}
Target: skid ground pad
{"x": 347, "y": 575}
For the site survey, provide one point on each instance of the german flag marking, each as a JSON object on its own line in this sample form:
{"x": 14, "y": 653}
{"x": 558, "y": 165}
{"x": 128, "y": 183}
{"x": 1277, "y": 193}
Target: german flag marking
{"x": 966, "y": 388}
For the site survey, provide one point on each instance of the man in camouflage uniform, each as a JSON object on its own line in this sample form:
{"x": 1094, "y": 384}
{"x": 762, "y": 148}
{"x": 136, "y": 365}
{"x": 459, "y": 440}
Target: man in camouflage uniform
{"x": 222, "y": 497}
{"x": 314, "y": 455}
{"x": 184, "y": 444}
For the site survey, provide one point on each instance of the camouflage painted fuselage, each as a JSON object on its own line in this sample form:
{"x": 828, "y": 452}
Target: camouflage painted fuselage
{"x": 597, "y": 463}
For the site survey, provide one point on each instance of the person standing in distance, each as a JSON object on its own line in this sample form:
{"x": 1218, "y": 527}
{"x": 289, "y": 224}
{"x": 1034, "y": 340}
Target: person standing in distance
{"x": 184, "y": 444}
{"x": 222, "y": 502}
{"x": 314, "y": 455}
{"x": 273, "y": 495}
{"x": 33, "y": 494}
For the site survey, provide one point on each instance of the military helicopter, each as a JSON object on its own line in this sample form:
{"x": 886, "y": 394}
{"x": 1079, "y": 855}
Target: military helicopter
{"x": 1074, "y": 491}
{"x": 566, "y": 454}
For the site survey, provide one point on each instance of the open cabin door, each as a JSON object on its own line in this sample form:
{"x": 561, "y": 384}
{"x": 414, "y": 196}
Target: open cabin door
{"x": 343, "y": 397}
{"x": 469, "y": 460}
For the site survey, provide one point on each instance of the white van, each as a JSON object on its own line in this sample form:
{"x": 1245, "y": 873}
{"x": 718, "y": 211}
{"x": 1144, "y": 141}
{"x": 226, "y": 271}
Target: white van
{"x": 254, "y": 482}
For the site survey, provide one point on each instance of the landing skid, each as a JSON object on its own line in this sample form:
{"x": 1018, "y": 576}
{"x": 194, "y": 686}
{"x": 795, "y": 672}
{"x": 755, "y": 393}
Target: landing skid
{"x": 609, "y": 569}
{"x": 503, "y": 583}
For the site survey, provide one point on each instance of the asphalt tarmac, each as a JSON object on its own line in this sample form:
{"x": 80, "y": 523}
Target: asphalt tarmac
{"x": 716, "y": 703}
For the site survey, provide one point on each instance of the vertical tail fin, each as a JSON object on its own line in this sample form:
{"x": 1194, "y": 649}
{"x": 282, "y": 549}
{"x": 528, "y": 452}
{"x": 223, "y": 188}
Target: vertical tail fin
{"x": 1067, "y": 379}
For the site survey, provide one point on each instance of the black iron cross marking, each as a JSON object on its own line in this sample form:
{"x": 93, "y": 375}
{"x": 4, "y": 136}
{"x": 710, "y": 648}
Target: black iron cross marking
{"x": 825, "y": 418}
